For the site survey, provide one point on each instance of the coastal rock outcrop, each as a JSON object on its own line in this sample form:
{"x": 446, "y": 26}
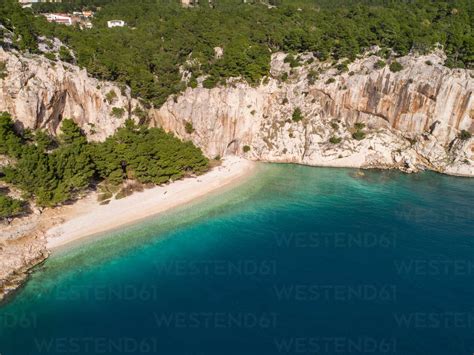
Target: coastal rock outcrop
{"x": 22, "y": 246}
{"x": 39, "y": 93}
{"x": 410, "y": 119}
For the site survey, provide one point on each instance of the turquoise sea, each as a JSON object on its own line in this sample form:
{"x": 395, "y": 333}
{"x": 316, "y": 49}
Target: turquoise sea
{"x": 295, "y": 260}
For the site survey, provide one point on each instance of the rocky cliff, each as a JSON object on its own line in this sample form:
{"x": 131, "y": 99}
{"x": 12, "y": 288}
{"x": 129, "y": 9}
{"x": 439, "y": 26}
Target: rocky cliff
{"x": 39, "y": 93}
{"x": 412, "y": 118}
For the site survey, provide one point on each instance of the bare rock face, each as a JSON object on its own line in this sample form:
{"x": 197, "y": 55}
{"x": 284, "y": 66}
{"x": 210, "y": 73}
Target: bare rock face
{"x": 39, "y": 93}
{"x": 412, "y": 118}
{"x": 18, "y": 257}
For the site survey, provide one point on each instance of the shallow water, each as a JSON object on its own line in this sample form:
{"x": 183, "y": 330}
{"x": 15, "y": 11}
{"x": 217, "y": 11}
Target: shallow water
{"x": 297, "y": 260}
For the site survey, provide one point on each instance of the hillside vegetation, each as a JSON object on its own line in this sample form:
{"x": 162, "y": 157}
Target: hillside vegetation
{"x": 161, "y": 36}
{"x": 54, "y": 171}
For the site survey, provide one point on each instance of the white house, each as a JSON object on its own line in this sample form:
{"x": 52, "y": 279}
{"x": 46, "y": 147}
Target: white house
{"x": 115, "y": 23}
{"x": 59, "y": 18}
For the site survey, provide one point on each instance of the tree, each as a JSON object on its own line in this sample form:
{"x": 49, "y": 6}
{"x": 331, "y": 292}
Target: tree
{"x": 10, "y": 207}
{"x": 53, "y": 174}
{"x": 71, "y": 133}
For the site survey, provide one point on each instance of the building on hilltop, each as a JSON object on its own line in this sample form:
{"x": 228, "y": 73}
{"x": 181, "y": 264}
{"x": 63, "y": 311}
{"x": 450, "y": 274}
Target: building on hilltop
{"x": 63, "y": 19}
{"x": 192, "y": 3}
{"x": 29, "y": 3}
{"x": 115, "y": 23}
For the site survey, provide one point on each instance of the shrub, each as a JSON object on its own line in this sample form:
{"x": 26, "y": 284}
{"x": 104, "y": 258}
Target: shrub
{"x": 188, "y": 127}
{"x": 334, "y": 125}
{"x": 297, "y": 115}
{"x": 50, "y": 56}
{"x": 3, "y": 70}
{"x": 312, "y": 77}
{"x": 358, "y": 135}
{"x": 104, "y": 196}
{"x": 292, "y": 60}
{"x": 429, "y": 62}
{"x": 111, "y": 96}
{"x": 464, "y": 135}
{"x": 380, "y": 64}
{"x": 358, "y": 126}
{"x": 384, "y": 53}
{"x": 118, "y": 112}
{"x": 335, "y": 140}
{"x": 210, "y": 82}
{"x": 342, "y": 67}
{"x": 330, "y": 81}
{"x": 10, "y": 207}
{"x": 65, "y": 55}
{"x": 396, "y": 67}
{"x": 192, "y": 83}
{"x": 140, "y": 113}
{"x": 246, "y": 149}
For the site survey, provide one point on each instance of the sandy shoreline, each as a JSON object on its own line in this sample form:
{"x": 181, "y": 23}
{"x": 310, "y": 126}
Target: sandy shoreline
{"x": 88, "y": 218}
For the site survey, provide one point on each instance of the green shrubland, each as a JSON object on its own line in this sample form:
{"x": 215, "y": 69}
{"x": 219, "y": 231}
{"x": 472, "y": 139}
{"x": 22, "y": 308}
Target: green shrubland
{"x": 161, "y": 36}
{"x": 56, "y": 171}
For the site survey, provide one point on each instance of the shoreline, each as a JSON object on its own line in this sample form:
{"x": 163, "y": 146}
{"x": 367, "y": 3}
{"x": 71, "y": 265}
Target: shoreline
{"x": 57, "y": 228}
{"x": 88, "y": 218}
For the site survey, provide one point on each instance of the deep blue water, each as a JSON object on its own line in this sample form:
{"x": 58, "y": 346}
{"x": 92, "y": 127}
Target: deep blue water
{"x": 297, "y": 260}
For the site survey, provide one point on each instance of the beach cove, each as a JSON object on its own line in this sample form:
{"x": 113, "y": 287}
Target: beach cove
{"x": 294, "y": 258}
{"x": 28, "y": 241}
{"x": 90, "y": 218}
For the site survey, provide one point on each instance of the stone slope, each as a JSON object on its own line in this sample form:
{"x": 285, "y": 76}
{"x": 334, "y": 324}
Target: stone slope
{"x": 39, "y": 93}
{"x": 412, "y": 117}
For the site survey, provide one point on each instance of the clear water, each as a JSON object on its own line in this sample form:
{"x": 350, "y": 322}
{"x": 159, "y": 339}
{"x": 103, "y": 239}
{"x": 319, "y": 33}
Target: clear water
{"x": 297, "y": 260}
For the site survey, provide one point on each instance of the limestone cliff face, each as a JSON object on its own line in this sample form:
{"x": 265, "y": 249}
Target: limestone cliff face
{"x": 39, "y": 93}
{"x": 412, "y": 118}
